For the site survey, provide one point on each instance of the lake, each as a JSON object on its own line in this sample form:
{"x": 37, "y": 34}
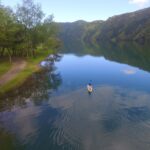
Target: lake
{"x": 53, "y": 110}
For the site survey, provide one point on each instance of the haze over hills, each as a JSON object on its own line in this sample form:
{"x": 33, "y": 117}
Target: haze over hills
{"x": 133, "y": 26}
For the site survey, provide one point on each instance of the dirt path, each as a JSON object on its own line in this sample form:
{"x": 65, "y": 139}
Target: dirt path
{"x": 17, "y": 66}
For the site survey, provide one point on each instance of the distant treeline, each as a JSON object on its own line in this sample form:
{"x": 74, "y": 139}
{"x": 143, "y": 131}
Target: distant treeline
{"x": 25, "y": 30}
{"x": 133, "y": 26}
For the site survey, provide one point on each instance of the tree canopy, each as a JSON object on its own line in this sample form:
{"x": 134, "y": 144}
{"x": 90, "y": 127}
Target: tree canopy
{"x": 26, "y": 29}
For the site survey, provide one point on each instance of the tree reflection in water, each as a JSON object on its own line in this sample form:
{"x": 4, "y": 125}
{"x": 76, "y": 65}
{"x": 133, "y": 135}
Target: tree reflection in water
{"x": 37, "y": 87}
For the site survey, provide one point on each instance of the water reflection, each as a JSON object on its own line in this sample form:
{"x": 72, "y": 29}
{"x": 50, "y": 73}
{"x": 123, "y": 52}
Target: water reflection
{"x": 111, "y": 118}
{"x": 8, "y": 141}
{"x": 53, "y": 110}
{"x": 129, "y": 71}
{"x": 37, "y": 87}
{"x": 133, "y": 54}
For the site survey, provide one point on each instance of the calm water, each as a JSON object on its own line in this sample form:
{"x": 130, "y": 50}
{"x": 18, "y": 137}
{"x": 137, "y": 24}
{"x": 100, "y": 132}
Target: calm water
{"x": 53, "y": 111}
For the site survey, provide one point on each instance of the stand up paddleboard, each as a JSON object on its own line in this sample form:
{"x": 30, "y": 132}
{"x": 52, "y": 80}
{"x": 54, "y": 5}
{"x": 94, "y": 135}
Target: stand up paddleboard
{"x": 90, "y": 88}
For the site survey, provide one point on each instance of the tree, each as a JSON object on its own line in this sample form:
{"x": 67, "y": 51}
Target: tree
{"x": 30, "y": 15}
{"x": 25, "y": 30}
{"x": 7, "y": 29}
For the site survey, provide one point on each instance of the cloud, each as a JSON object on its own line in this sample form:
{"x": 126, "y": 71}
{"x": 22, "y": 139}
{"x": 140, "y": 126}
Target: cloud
{"x": 139, "y": 2}
{"x": 129, "y": 72}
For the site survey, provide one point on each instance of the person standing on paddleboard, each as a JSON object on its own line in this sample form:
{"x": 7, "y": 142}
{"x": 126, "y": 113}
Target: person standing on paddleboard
{"x": 90, "y": 88}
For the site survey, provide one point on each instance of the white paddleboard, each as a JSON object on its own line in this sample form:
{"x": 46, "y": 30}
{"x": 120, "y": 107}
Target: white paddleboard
{"x": 89, "y": 88}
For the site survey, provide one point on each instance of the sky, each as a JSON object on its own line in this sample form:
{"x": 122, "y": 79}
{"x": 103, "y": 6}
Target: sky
{"x": 88, "y": 10}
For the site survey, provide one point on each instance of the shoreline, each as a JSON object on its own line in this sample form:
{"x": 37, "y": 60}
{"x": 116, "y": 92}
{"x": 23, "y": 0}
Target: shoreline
{"x": 32, "y": 66}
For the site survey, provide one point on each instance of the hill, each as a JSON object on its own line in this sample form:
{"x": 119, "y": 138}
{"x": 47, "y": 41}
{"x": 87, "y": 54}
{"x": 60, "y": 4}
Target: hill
{"x": 133, "y": 26}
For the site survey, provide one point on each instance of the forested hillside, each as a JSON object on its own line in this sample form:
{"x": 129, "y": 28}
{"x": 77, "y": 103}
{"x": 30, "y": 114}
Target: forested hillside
{"x": 72, "y": 31}
{"x": 133, "y": 26}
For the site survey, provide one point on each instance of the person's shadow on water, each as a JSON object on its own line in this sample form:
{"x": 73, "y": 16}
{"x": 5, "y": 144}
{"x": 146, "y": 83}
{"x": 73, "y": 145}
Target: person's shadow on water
{"x": 90, "y": 93}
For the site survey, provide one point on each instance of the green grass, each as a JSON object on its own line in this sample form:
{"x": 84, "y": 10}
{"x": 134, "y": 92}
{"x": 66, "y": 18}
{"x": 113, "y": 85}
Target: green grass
{"x": 4, "y": 66}
{"x": 31, "y": 67}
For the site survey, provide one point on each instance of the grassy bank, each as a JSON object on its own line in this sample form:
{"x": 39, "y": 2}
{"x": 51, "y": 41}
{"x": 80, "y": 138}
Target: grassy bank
{"x": 31, "y": 67}
{"x": 4, "y": 66}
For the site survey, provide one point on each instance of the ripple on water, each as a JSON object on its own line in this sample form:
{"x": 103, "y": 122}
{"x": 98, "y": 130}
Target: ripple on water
{"x": 111, "y": 118}
{"x": 106, "y": 119}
